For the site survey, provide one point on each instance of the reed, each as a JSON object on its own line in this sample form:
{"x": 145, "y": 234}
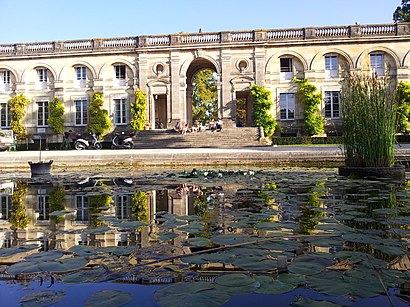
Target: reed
{"x": 369, "y": 120}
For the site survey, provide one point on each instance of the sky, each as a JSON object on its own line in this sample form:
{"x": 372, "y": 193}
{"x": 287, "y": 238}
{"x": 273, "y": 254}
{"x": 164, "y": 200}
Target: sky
{"x": 52, "y": 20}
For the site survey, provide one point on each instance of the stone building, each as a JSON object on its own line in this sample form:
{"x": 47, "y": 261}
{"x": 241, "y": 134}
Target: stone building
{"x": 163, "y": 67}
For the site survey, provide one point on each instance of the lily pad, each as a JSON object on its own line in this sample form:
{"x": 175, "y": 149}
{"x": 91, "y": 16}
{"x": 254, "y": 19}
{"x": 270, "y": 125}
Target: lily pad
{"x": 272, "y": 287}
{"x": 307, "y": 302}
{"x": 292, "y": 279}
{"x": 199, "y": 241}
{"x": 191, "y": 294}
{"x": 305, "y": 268}
{"x": 109, "y": 298}
{"x": 42, "y": 298}
{"x": 166, "y": 236}
{"x": 231, "y": 239}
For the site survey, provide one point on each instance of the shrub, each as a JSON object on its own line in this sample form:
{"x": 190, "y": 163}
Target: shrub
{"x": 56, "y": 119}
{"x": 138, "y": 111}
{"x": 314, "y": 121}
{"x": 262, "y": 103}
{"x": 99, "y": 123}
{"x": 17, "y": 109}
{"x": 403, "y": 107}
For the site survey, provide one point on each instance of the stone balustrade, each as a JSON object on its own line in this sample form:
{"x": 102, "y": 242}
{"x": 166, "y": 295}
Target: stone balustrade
{"x": 233, "y": 37}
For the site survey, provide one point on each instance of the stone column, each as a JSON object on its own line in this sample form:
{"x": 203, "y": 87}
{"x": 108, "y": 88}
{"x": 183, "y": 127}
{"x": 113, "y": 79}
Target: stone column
{"x": 142, "y": 78}
{"x": 224, "y": 88}
{"x": 178, "y": 90}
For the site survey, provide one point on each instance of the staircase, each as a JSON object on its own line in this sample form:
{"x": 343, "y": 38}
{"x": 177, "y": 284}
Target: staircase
{"x": 227, "y": 138}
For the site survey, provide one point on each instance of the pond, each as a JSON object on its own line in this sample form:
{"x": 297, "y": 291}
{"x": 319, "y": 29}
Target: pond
{"x": 204, "y": 237}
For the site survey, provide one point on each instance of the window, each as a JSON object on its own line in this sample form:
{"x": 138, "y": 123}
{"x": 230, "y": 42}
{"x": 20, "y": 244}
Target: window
{"x": 331, "y": 66}
{"x": 81, "y": 112}
{"x": 376, "y": 64}
{"x": 121, "y": 239}
{"x": 42, "y": 78}
{"x": 287, "y": 105}
{"x": 332, "y": 104}
{"x": 81, "y": 76}
{"x": 286, "y": 68}
{"x": 122, "y": 205}
{"x": 5, "y": 81}
{"x": 43, "y": 207}
{"x": 5, "y": 207}
{"x": 82, "y": 204}
{"x": 119, "y": 75}
{"x": 4, "y": 115}
{"x": 120, "y": 111}
{"x": 82, "y": 238}
{"x": 42, "y": 113}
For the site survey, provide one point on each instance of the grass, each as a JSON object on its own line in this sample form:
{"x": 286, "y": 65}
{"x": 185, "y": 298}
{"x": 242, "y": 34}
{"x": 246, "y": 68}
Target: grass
{"x": 369, "y": 121}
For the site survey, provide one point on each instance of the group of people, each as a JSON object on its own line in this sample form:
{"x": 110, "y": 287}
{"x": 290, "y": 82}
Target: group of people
{"x": 196, "y": 127}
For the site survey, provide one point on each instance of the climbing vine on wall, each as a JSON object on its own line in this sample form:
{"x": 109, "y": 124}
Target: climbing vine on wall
{"x": 262, "y": 104}
{"x": 138, "y": 111}
{"x": 99, "y": 123}
{"x": 56, "y": 119}
{"x": 314, "y": 121}
{"x": 17, "y": 109}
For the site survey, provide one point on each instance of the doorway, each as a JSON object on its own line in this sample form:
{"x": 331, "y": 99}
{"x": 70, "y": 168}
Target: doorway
{"x": 244, "y": 111}
{"x": 160, "y": 111}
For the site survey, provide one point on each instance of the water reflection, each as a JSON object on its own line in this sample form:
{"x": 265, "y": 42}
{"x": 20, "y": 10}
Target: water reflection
{"x": 176, "y": 220}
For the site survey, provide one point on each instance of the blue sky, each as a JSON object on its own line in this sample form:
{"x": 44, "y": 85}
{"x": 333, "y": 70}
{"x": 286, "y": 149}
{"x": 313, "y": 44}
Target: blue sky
{"x": 50, "y": 20}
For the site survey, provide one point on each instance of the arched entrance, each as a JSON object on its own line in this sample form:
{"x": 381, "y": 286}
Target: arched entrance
{"x": 199, "y": 65}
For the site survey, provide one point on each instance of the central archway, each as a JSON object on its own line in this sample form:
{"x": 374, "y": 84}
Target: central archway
{"x": 201, "y": 71}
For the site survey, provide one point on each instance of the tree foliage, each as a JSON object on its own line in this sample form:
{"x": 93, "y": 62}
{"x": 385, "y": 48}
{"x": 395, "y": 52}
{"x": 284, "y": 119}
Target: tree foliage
{"x": 99, "y": 123}
{"x": 314, "y": 121}
{"x": 56, "y": 118}
{"x": 205, "y": 96}
{"x": 402, "y": 13}
{"x": 262, "y": 104}
{"x": 140, "y": 206}
{"x": 138, "y": 111}
{"x": 403, "y": 107}
{"x": 17, "y": 109}
{"x": 56, "y": 201}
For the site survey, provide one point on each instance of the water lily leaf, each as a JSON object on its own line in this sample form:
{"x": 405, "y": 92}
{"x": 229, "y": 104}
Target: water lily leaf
{"x": 199, "y": 241}
{"x": 388, "y": 249}
{"x": 231, "y": 239}
{"x": 255, "y": 263}
{"x": 305, "y": 268}
{"x": 63, "y": 265}
{"x": 248, "y": 251}
{"x": 237, "y": 283}
{"x": 83, "y": 276}
{"x": 61, "y": 213}
{"x": 272, "y": 287}
{"x": 46, "y": 256}
{"x": 194, "y": 259}
{"x": 292, "y": 279}
{"x": 26, "y": 267}
{"x": 109, "y": 298}
{"x": 128, "y": 224}
{"x": 16, "y": 254}
{"x": 42, "y": 298}
{"x": 116, "y": 250}
{"x": 83, "y": 250}
{"x": 268, "y": 226}
{"x": 166, "y": 236}
{"x": 307, "y": 302}
{"x": 191, "y": 294}
{"x": 335, "y": 286}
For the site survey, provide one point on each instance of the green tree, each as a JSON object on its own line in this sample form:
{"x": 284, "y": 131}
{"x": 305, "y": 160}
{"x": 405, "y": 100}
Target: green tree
{"x": 56, "y": 119}
{"x": 99, "y": 123}
{"x": 56, "y": 201}
{"x": 140, "y": 206}
{"x": 314, "y": 121}
{"x": 17, "y": 109}
{"x": 204, "y": 97}
{"x": 262, "y": 104}
{"x": 138, "y": 111}
{"x": 403, "y": 107}
{"x": 18, "y": 217}
{"x": 402, "y": 13}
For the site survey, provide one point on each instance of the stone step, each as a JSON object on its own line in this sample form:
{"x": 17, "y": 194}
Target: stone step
{"x": 227, "y": 138}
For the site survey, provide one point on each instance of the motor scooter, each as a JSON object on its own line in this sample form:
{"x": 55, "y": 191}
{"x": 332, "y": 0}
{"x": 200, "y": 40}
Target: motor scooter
{"x": 90, "y": 141}
{"x": 121, "y": 141}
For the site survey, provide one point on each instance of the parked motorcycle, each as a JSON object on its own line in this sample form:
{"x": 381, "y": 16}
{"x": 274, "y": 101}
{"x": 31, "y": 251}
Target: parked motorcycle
{"x": 122, "y": 141}
{"x": 90, "y": 141}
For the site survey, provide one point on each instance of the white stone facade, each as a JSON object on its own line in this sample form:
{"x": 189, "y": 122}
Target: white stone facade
{"x": 163, "y": 67}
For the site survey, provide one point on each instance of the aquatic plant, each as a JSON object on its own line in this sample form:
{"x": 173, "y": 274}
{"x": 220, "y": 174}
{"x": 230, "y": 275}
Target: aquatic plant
{"x": 369, "y": 120}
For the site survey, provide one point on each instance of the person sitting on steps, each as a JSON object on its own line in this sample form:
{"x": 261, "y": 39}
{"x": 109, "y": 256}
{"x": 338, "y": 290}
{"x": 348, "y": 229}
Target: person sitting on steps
{"x": 219, "y": 125}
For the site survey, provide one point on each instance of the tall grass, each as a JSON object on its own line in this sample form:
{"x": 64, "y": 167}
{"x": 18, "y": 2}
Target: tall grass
{"x": 369, "y": 120}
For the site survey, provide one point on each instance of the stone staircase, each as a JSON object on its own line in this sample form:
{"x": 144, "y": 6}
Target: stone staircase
{"x": 227, "y": 138}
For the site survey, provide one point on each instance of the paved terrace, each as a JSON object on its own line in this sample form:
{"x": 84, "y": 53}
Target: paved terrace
{"x": 274, "y": 156}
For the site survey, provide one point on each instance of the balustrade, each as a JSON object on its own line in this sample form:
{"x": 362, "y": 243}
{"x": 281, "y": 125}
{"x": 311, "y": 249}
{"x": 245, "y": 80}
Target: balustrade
{"x": 208, "y": 38}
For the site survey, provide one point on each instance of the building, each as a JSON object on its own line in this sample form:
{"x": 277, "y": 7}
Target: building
{"x": 163, "y": 67}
